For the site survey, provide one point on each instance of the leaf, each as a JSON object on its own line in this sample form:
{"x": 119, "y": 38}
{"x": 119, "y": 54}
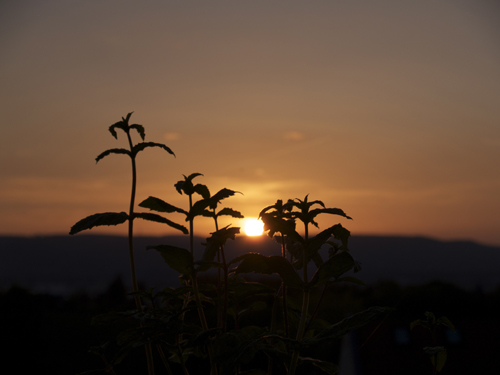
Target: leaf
{"x": 446, "y": 322}
{"x": 345, "y": 326}
{"x": 187, "y": 187}
{"x": 112, "y": 151}
{"x": 160, "y": 219}
{"x": 202, "y": 190}
{"x": 106, "y": 218}
{"x": 198, "y": 209}
{"x": 214, "y": 243}
{"x": 315, "y": 243}
{"x": 278, "y": 206}
{"x": 140, "y": 130}
{"x": 258, "y": 263}
{"x": 333, "y": 267}
{"x": 438, "y": 356}
{"x": 156, "y": 204}
{"x": 334, "y": 211}
{"x": 230, "y": 212}
{"x": 328, "y": 367}
{"x": 120, "y": 125}
{"x": 285, "y": 227}
{"x": 128, "y": 117}
{"x": 179, "y": 259}
{"x": 141, "y": 146}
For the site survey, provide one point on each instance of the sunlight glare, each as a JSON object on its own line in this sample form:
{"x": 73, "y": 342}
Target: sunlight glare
{"x": 253, "y": 227}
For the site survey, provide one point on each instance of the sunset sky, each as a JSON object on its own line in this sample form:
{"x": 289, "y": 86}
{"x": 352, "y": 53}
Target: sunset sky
{"x": 389, "y": 110}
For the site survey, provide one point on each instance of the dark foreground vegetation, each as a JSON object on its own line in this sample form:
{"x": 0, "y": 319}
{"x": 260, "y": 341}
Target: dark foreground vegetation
{"x": 54, "y": 335}
{"x": 302, "y": 311}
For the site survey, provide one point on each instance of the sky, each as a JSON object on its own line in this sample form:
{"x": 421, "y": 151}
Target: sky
{"x": 386, "y": 109}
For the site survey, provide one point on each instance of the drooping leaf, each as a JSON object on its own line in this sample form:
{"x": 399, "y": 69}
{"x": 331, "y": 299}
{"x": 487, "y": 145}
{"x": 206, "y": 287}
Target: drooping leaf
{"x": 220, "y": 195}
{"x": 342, "y": 234}
{"x": 333, "y": 211}
{"x": 328, "y": 367}
{"x": 214, "y": 243}
{"x": 315, "y": 243}
{"x": 334, "y": 267}
{"x": 112, "y": 151}
{"x": 211, "y": 202}
{"x": 160, "y": 219}
{"x": 140, "y": 130}
{"x": 445, "y": 322}
{"x": 198, "y": 209}
{"x": 230, "y": 212}
{"x": 179, "y": 259}
{"x": 120, "y": 125}
{"x": 187, "y": 186}
{"x": 141, "y": 146}
{"x": 438, "y": 356}
{"x": 345, "y": 326}
{"x": 157, "y": 204}
{"x": 202, "y": 190}
{"x": 96, "y": 220}
{"x": 278, "y": 206}
{"x": 258, "y": 263}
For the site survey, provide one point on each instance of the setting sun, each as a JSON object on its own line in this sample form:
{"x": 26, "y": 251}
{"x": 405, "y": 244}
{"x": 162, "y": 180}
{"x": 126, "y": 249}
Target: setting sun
{"x": 253, "y": 227}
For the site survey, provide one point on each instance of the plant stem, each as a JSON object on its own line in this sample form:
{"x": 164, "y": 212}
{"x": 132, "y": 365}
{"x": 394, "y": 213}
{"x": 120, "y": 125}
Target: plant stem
{"x": 138, "y": 304}
{"x": 284, "y": 289}
{"x": 305, "y": 308}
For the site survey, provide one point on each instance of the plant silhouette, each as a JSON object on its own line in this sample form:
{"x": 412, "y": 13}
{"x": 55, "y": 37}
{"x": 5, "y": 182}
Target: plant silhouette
{"x": 207, "y": 326}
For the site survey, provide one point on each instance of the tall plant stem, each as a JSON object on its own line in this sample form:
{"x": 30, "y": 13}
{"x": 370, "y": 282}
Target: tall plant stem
{"x": 191, "y": 226}
{"x": 283, "y": 288}
{"x": 305, "y": 307}
{"x": 135, "y": 286}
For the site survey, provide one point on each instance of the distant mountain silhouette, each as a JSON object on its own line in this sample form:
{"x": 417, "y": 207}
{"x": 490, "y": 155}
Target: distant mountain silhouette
{"x": 65, "y": 264}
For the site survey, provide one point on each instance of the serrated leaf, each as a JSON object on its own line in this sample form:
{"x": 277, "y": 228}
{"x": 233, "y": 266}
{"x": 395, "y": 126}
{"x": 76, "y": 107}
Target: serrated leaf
{"x": 335, "y": 267}
{"x": 258, "y": 263}
{"x": 112, "y": 151}
{"x": 202, "y": 190}
{"x": 106, "y": 218}
{"x": 202, "y": 204}
{"x": 120, "y": 125}
{"x": 230, "y": 212}
{"x": 187, "y": 186}
{"x": 140, "y": 130}
{"x": 141, "y": 146}
{"x": 285, "y": 227}
{"x": 160, "y": 219}
{"x": 179, "y": 259}
{"x": 157, "y": 204}
{"x": 216, "y": 240}
{"x": 333, "y": 211}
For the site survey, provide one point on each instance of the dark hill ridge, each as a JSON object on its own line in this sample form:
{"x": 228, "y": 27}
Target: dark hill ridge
{"x": 65, "y": 264}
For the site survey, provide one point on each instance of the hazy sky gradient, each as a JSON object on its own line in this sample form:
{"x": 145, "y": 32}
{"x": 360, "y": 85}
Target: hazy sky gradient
{"x": 389, "y": 110}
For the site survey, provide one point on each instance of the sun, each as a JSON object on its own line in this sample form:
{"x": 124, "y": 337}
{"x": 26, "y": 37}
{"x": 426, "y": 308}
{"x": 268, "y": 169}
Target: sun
{"x": 253, "y": 227}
